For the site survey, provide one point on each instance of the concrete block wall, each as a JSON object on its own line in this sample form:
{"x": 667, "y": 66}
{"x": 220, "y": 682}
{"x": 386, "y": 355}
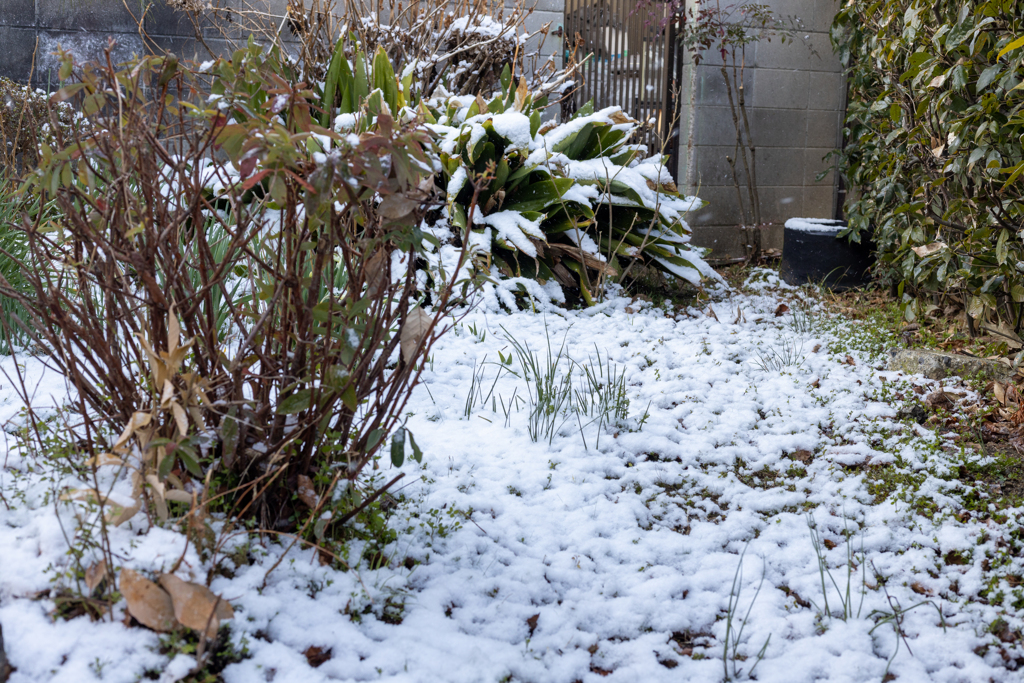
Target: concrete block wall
{"x": 795, "y": 96}
{"x": 32, "y": 30}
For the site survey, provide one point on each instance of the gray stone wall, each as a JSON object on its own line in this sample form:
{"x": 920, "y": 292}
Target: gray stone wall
{"x": 795, "y": 94}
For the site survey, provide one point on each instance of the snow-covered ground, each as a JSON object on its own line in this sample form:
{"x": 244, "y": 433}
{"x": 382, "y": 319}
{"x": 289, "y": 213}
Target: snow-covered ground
{"x": 611, "y": 553}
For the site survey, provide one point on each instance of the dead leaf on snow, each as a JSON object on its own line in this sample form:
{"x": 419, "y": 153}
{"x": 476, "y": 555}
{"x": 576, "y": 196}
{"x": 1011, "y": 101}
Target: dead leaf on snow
{"x": 850, "y": 361}
{"x": 95, "y": 575}
{"x": 317, "y": 655}
{"x": 532, "y": 623}
{"x": 920, "y": 589}
{"x": 781, "y": 310}
{"x": 195, "y": 605}
{"x": 802, "y": 455}
{"x": 147, "y": 602}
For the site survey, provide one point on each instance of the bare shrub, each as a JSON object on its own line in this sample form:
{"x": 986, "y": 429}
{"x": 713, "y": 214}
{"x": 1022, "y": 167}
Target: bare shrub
{"x": 462, "y": 46}
{"x": 233, "y": 294}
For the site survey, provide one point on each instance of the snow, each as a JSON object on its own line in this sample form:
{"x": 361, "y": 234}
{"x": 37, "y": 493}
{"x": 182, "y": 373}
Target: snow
{"x": 559, "y": 562}
{"x": 824, "y": 226}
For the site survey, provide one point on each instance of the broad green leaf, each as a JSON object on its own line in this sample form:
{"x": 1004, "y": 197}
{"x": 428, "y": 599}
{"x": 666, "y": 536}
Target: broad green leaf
{"x": 417, "y": 454}
{"x": 398, "y": 447}
{"x": 295, "y": 403}
{"x": 539, "y": 195}
{"x": 385, "y": 81}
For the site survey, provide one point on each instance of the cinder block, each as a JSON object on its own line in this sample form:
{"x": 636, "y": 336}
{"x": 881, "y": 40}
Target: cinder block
{"x": 711, "y": 88}
{"x": 822, "y": 128}
{"x": 824, "y": 12}
{"x": 819, "y": 202}
{"x": 84, "y": 47}
{"x": 714, "y": 126}
{"x": 779, "y": 127}
{"x": 779, "y": 204}
{"x": 238, "y": 19}
{"x": 825, "y": 90}
{"x": 18, "y": 13}
{"x": 163, "y": 20}
{"x": 781, "y": 89}
{"x": 16, "y": 55}
{"x": 722, "y": 207}
{"x": 780, "y": 166}
{"x": 748, "y": 58}
{"x": 712, "y": 166}
{"x": 814, "y": 54}
{"x": 813, "y": 163}
{"x": 97, "y": 17}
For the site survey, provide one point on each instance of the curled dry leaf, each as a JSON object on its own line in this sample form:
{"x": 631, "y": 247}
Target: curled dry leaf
{"x": 307, "y": 492}
{"x": 195, "y": 605}
{"x": 95, "y": 575}
{"x": 375, "y": 274}
{"x": 522, "y": 92}
{"x": 147, "y": 602}
{"x": 928, "y": 249}
{"x": 417, "y": 324}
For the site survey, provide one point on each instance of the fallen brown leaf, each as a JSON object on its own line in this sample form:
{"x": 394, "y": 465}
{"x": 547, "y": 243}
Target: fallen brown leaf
{"x": 830, "y": 544}
{"x": 532, "y": 623}
{"x": 781, "y": 310}
{"x": 921, "y": 590}
{"x": 147, "y": 602}
{"x": 195, "y": 605}
{"x": 95, "y": 575}
{"x": 317, "y": 655}
{"x": 307, "y": 493}
{"x": 850, "y": 361}
{"x": 802, "y": 455}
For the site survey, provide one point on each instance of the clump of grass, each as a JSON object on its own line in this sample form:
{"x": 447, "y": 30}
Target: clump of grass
{"x": 776, "y": 358}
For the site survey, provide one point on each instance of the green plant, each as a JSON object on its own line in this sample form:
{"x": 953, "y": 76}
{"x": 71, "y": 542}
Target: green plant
{"x": 846, "y": 610}
{"x": 733, "y": 635}
{"x": 548, "y": 386}
{"x": 934, "y": 148}
{"x": 786, "y": 354}
{"x": 573, "y": 203}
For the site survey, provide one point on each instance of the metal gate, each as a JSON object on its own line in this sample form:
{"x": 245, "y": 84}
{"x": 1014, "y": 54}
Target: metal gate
{"x": 632, "y": 64}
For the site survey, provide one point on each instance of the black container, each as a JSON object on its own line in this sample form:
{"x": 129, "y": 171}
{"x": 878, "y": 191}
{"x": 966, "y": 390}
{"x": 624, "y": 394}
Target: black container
{"x": 811, "y": 253}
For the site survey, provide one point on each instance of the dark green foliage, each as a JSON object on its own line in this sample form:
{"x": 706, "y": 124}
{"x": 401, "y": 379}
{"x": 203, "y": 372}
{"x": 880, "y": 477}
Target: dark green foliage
{"x": 934, "y": 152}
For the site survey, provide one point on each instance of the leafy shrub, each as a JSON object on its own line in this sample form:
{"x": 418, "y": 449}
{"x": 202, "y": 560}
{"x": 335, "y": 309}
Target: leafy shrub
{"x": 571, "y": 203}
{"x": 237, "y": 293}
{"x": 934, "y": 149}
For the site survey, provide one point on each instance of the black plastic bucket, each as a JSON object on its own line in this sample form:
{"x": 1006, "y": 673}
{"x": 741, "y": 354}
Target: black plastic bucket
{"x": 811, "y": 253}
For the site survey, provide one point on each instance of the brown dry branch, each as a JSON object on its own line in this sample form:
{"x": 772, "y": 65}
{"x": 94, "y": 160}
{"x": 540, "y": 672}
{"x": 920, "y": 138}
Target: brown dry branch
{"x": 461, "y": 46}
